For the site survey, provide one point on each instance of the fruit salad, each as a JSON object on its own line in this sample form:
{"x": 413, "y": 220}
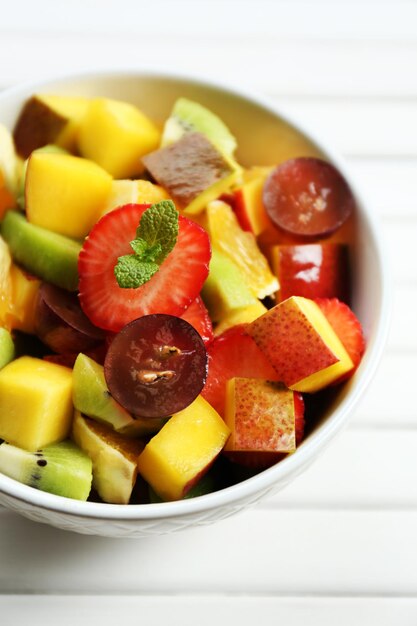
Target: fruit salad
{"x": 171, "y": 322}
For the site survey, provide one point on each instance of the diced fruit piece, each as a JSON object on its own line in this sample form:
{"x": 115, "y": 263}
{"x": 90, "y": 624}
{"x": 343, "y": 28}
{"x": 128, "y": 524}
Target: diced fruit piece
{"x": 48, "y": 255}
{"x": 116, "y": 135}
{"x": 35, "y": 403}
{"x": 7, "y": 351}
{"x": 207, "y": 484}
{"x": 133, "y": 191}
{"x": 61, "y": 324}
{"x": 225, "y": 289}
{"x": 61, "y": 468}
{"x": 233, "y": 354}
{"x": 65, "y": 193}
{"x": 249, "y": 207}
{"x": 7, "y": 199}
{"x": 246, "y": 315}
{"x": 91, "y": 396}
{"x": 192, "y": 171}
{"x": 241, "y": 247}
{"x": 175, "y": 285}
{"x": 260, "y": 415}
{"x": 9, "y": 164}
{"x": 317, "y": 270}
{"x": 189, "y": 116}
{"x": 5, "y": 285}
{"x": 256, "y": 459}
{"x": 25, "y": 288}
{"x": 197, "y": 315}
{"x": 346, "y": 326}
{"x": 300, "y": 343}
{"x": 307, "y": 197}
{"x": 156, "y": 365}
{"x": 50, "y": 147}
{"x": 48, "y": 119}
{"x": 114, "y": 458}
{"x": 183, "y": 450}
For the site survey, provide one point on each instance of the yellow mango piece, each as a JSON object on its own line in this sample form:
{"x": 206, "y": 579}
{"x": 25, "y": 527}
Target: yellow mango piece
{"x": 24, "y": 293}
{"x": 114, "y": 458}
{"x": 133, "y": 191}
{"x": 116, "y": 135}
{"x": 244, "y": 315}
{"x": 35, "y": 403}
{"x": 183, "y": 450}
{"x": 64, "y": 193}
{"x": 5, "y": 285}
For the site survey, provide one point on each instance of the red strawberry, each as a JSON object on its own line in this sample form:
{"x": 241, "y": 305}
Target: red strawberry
{"x": 346, "y": 326}
{"x": 233, "y": 353}
{"x": 176, "y": 284}
{"x": 198, "y": 316}
{"x": 262, "y": 460}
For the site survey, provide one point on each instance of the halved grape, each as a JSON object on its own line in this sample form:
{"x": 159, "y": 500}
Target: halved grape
{"x": 61, "y": 324}
{"x": 307, "y": 197}
{"x": 156, "y": 365}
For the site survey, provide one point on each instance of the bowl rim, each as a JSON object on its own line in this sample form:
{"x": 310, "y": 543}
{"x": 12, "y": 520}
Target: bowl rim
{"x": 291, "y": 466}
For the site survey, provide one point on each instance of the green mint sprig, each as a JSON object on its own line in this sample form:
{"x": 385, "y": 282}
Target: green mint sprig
{"x": 156, "y": 236}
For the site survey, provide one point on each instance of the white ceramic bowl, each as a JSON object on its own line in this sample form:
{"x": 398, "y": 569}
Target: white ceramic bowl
{"x": 261, "y": 129}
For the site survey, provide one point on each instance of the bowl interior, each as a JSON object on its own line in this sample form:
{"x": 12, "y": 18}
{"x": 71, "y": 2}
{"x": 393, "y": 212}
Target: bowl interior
{"x": 265, "y": 137}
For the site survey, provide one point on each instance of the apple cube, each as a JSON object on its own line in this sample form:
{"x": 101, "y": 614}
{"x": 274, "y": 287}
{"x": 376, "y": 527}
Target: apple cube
{"x": 301, "y": 345}
{"x": 318, "y": 270}
{"x": 260, "y": 415}
{"x": 249, "y": 206}
{"x": 35, "y": 403}
{"x": 114, "y": 458}
{"x": 183, "y": 450}
{"x": 81, "y": 186}
{"x": 116, "y": 135}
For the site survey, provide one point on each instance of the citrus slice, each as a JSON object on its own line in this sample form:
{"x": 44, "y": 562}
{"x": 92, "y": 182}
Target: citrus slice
{"x": 241, "y": 248}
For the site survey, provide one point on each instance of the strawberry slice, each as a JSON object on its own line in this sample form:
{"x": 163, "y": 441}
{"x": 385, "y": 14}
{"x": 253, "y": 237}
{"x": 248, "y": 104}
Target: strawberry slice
{"x": 346, "y": 326}
{"x": 198, "y": 316}
{"x": 171, "y": 290}
{"x": 231, "y": 354}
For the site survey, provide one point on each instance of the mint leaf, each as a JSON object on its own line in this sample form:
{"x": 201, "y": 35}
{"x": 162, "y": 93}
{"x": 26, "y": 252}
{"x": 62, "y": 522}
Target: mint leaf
{"x": 159, "y": 225}
{"x": 131, "y": 272}
{"x": 156, "y": 236}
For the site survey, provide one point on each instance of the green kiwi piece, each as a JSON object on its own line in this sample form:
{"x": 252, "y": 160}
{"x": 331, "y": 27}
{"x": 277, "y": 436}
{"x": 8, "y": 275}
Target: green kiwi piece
{"x": 92, "y": 397}
{"x": 61, "y": 468}
{"x": 190, "y": 116}
{"x": 51, "y": 256}
{"x": 7, "y": 350}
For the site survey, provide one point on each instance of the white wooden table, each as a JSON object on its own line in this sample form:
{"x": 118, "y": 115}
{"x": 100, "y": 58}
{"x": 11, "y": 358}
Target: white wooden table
{"x": 339, "y": 545}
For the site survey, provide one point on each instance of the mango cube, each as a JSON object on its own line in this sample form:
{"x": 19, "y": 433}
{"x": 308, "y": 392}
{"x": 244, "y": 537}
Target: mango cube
{"x": 260, "y": 415}
{"x": 116, "y": 135}
{"x": 301, "y": 345}
{"x": 133, "y": 191}
{"x": 64, "y": 193}
{"x": 183, "y": 450}
{"x": 35, "y": 403}
{"x": 25, "y": 289}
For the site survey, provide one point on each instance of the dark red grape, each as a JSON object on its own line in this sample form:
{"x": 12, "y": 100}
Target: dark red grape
{"x": 307, "y": 197}
{"x": 156, "y": 365}
{"x": 61, "y": 324}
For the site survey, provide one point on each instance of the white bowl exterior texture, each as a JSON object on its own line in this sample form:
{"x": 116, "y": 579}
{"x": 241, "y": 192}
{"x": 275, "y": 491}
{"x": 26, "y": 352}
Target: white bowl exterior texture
{"x": 265, "y": 136}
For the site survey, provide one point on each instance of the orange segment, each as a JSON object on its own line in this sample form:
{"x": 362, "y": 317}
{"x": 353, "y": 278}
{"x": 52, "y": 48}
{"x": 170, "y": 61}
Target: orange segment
{"x": 241, "y": 248}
